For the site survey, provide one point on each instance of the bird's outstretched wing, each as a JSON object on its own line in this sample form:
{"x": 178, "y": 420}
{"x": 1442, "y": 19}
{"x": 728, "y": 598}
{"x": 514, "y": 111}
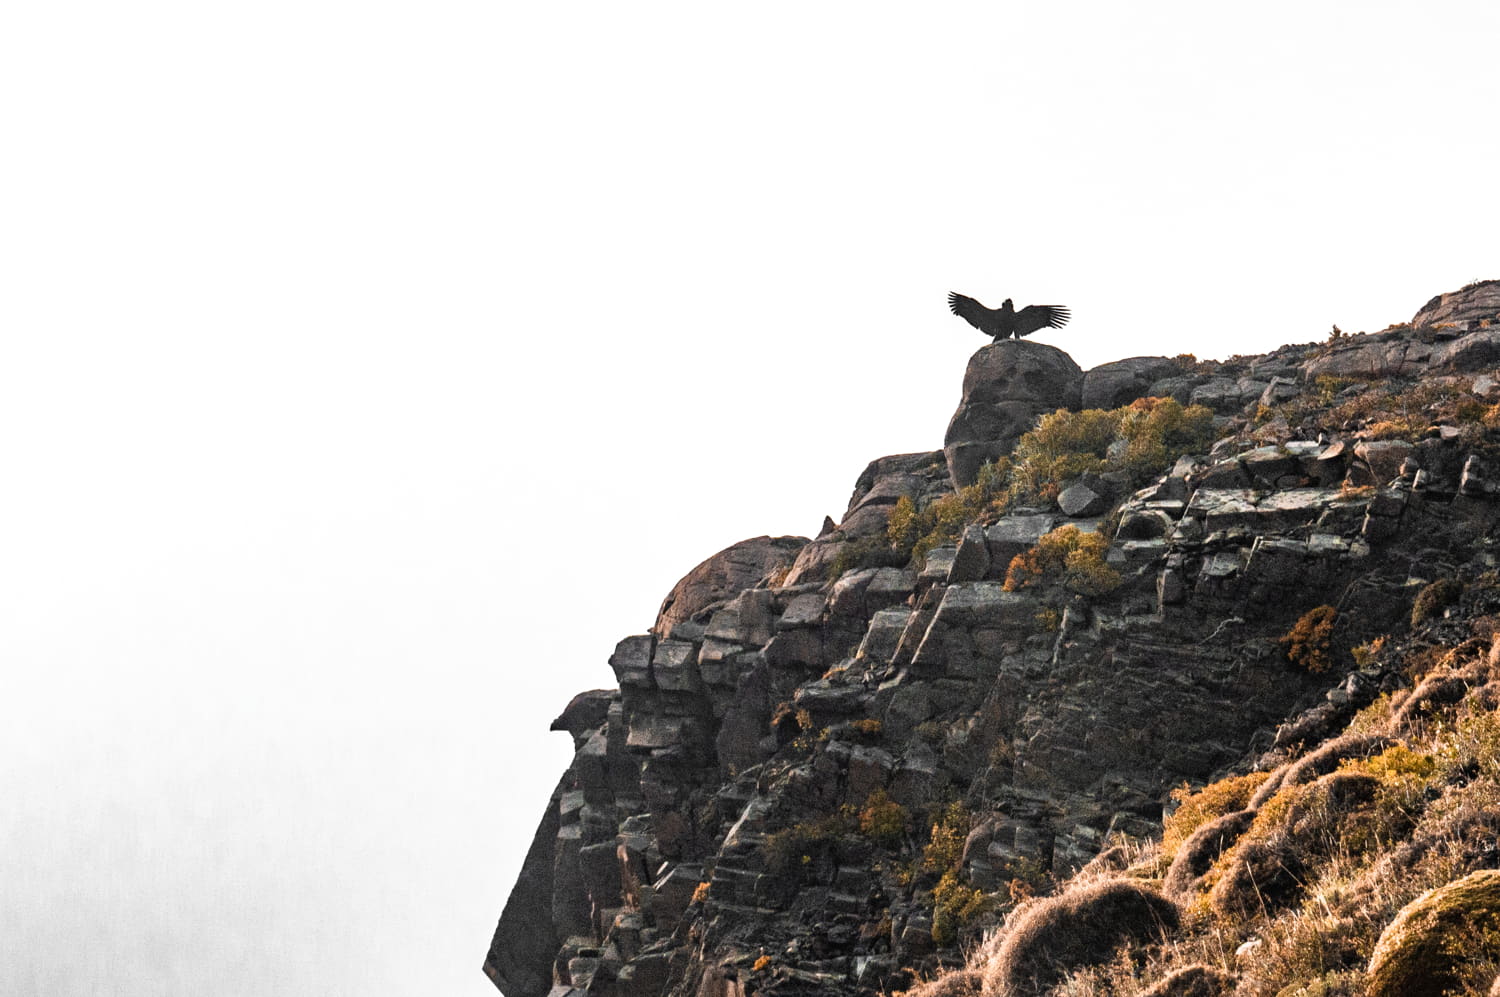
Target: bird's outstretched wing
{"x": 973, "y": 313}
{"x": 1034, "y": 317}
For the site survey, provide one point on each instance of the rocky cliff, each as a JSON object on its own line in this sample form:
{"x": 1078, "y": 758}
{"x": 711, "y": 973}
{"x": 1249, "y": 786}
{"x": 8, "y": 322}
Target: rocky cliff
{"x": 837, "y": 764}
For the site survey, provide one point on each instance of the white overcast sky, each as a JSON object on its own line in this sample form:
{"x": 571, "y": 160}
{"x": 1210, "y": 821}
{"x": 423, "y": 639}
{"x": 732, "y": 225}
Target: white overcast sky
{"x": 369, "y": 369}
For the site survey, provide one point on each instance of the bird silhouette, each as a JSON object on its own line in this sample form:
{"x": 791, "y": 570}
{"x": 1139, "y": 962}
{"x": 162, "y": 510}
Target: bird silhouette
{"x": 1005, "y": 321}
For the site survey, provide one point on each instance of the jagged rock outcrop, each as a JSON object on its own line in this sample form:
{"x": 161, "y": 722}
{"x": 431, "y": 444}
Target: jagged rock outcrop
{"x": 887, "y": 480}
{"x": 755, "y": 807}
{"x": 1477, "y": 303}
{"x": 1451, "y": 333}
{"x": 1007, "y": 385}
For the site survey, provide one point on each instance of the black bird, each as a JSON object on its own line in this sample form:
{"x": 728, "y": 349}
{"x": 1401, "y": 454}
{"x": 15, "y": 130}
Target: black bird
{"x": 1005, "y": 321}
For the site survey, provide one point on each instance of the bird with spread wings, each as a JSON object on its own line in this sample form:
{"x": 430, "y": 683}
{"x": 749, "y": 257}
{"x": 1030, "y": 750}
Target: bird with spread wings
{"x": 1005, "y": 321}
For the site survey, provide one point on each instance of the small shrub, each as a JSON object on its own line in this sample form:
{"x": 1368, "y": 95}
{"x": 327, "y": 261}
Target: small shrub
{"x": 955, "y": 904}
{"x": 1433, "y": 599}
{"x": 1154, "y": 431}
{"x": 946, "y": 846}
{"x": 868, "y": 727}
{"x": 867, "y": 552}
{"x": 1367, "y": 654}
{"x": 1329, "y": 387}
{"x": 1395, "y": 763}
{"x": 934, "y": 732}
{"x": 789, "y": 850}
{"x": 1310, "y": 641}
{"x": 761, "y": 965}
{"x": 911, "y": 532}
{"x": 1069, "y": 557}
{"x": 883, "y": 820}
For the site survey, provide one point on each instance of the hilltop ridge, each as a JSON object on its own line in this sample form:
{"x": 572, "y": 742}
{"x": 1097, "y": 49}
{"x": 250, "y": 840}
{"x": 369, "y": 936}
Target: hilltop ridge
{"x": 839, "y": 764}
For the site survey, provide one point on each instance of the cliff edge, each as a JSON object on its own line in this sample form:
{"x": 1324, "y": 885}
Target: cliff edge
{"x": 838, "y": 765}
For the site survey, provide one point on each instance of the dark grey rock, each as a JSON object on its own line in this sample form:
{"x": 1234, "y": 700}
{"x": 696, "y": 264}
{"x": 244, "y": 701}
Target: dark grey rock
{"x": 1474, "y": 303}
{"x": 1083, "y": 499}
{"x": 971, "y": 561}
{"x": 1016, "y": 534}
{"x": 725, "y": 575}
{"x": 1006, "y": 387}
{"x": 1119, "y": 383}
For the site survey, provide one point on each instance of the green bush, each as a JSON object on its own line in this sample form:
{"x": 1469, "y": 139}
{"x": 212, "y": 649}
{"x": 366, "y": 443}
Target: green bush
{"x": 866, "y": 552}
{"x": 1142, "y": 439}
{"x": 911, "y": 533}
{"x": 790, "y": 850}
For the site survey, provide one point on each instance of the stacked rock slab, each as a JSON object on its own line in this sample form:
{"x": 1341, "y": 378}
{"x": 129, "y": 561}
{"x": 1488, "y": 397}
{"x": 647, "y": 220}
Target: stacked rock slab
{"x": 769, "y": 700}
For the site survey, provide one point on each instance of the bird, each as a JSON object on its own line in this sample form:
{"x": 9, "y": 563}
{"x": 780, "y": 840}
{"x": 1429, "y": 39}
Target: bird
{"x": 1005, "y": 321}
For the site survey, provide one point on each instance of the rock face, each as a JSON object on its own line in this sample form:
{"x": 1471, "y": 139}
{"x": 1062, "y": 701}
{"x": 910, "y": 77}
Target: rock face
{"x": 1479, "y": 302}
{"x": 1007, "y": 385}
{"x": 728, "y": 572}
{"x": 750, "y": 810}
{"x": 1123, "y": 381}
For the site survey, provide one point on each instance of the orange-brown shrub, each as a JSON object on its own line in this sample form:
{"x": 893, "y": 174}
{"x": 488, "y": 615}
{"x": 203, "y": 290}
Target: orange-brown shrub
{"x": 1066, "y": 556}
{"x": 1310, "y": 641}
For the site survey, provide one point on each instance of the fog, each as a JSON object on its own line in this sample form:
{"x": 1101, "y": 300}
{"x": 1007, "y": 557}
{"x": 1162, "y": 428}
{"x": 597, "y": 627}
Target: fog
{"x": 369, "y": 371}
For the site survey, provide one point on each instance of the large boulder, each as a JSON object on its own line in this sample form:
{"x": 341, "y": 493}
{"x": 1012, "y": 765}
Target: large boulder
{"x": 1123, "y": 381}
{"x": 724, "y": 576}
{"x": 1006, "y": 387}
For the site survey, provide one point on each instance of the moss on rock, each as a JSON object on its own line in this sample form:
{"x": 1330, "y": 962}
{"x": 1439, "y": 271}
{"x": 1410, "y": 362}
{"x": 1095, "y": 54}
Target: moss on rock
{"x": 1416, "y": 955}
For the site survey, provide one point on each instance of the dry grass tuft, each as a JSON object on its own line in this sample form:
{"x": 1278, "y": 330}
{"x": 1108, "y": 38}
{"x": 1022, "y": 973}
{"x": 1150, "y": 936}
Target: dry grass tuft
{"x": 1200, "y": 851}
{"x": 1193, "y": 981}
{"x": 1084, "y": 926}
{"x": 1319, "y": 762}
{"x": 960, "y": 983}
